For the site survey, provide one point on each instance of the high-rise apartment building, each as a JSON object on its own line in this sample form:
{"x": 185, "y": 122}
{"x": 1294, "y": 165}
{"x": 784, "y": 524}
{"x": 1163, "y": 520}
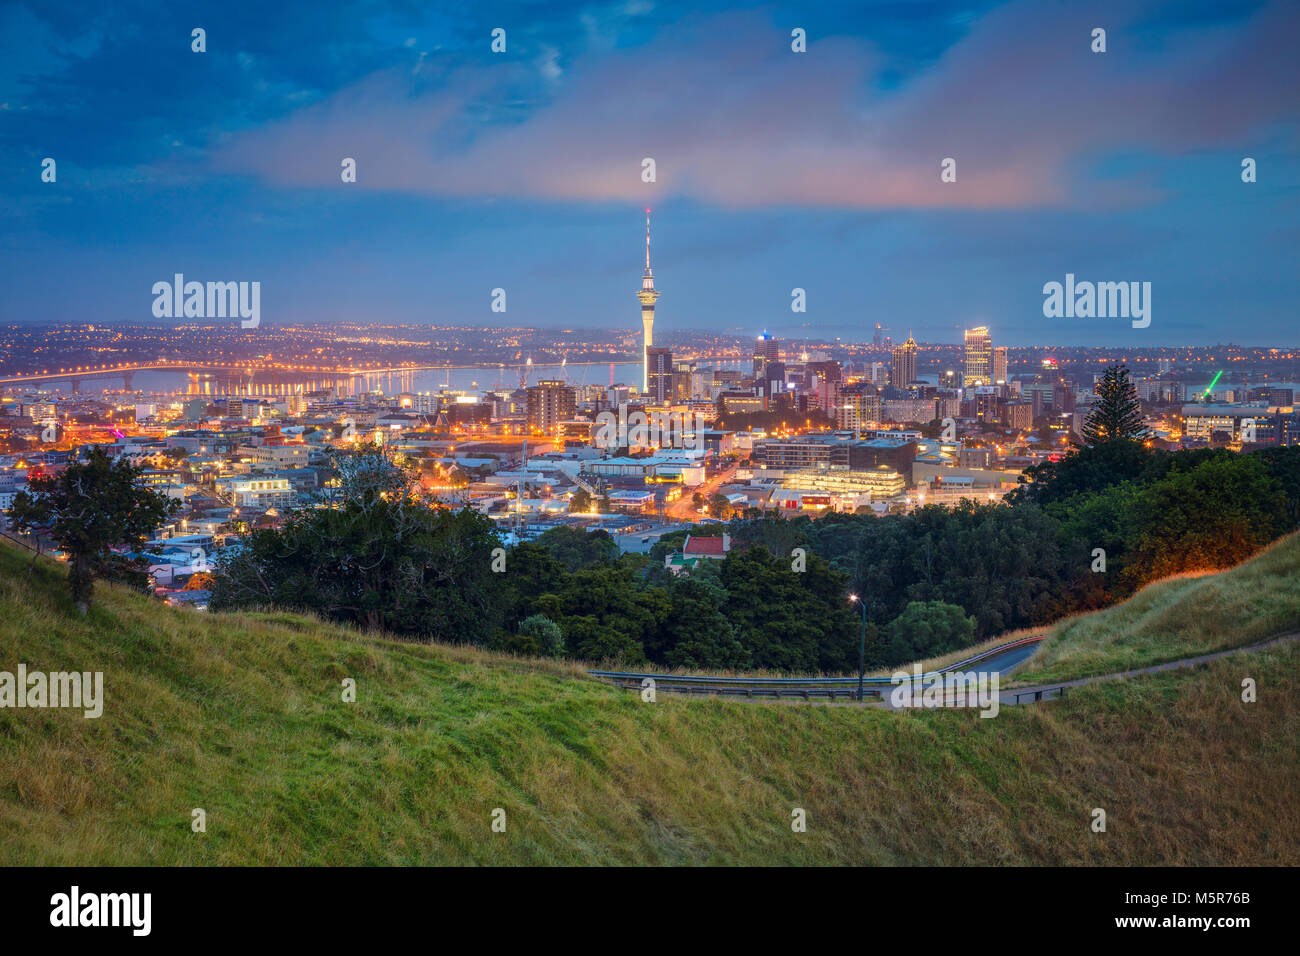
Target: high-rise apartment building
{"x": 1000, "y": 365}
{"x": 549, "y": 403}
{"x": 903, "y": 371}
{"x": 859, "y": 408}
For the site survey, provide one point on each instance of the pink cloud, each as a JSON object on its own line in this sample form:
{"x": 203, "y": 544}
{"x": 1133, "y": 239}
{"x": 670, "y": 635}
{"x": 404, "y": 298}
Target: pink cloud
{"x": 733, "y": 117}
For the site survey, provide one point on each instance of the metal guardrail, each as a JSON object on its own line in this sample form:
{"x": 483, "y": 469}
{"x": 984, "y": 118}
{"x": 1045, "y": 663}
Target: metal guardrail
{"x": 20, "y": 542}
{"x": 806, "y": 688}
{"x": 1041, "y": 693}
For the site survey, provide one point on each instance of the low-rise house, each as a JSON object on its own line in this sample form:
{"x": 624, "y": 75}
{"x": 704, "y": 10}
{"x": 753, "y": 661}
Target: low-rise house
{"x": 697, "y": 548}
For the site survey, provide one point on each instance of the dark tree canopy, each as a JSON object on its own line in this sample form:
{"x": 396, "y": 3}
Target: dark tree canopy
{"x": 925, "y": 629}
{"x": 92, "y": 507}
{"x": 378, "y": 558}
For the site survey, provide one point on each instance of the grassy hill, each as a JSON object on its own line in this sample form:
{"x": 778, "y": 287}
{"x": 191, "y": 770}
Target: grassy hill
{"x": 241, "y": 715}
{"x": 1179, "y": 617}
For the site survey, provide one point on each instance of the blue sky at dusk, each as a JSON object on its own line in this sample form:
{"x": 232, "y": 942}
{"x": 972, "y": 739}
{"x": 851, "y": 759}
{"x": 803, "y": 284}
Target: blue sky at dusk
{"x": 775, "y": 170}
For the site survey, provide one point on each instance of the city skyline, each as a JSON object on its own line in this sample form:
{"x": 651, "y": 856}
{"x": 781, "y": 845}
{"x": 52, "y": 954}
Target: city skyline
{"x": 948, "y": 515}
{"x": 1115, "y": 167}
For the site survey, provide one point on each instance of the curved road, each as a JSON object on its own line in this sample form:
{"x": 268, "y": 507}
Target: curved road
{"x": 1002, "y": 659}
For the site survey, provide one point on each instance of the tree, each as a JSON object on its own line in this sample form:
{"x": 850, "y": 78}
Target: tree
{"x": 1209, "y": 517}
{"x": 797, "y": 622}
{"x": 698, "y": 634}
{"x": 200, "y": 581}
{"x": 577, "y": 549}
{"x": 538, "y": 635}
{"x": 604, "y": 616}
{"x": 94, "y": 506}
{"x": 1117, "y": 416}
{"x": 926, "y": 629}
{"x": 719, "y": 506}
{"x": 580, "y": 502}
{"x": 378, "y": 558}
{"x": 1088, "y": 470}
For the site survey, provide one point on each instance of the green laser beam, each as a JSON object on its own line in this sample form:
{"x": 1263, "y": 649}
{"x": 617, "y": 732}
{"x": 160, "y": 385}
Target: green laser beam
{"x": 1215, "y": 382}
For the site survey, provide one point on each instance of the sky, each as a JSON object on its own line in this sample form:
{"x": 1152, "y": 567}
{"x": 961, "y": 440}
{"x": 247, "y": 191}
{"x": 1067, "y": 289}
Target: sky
{"x": 775, "y": 170}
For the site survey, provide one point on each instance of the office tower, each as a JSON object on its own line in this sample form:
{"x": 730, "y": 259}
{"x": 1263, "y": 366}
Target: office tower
{"x": 682, "y": 372}
{"x": 979, "y": 358}
{"x": 549, "y": 403}
{"x": 773, "y": 378}
{"x": 824, "y": 378}
{"x": 875, "y": 339}
{"x": 1000, "y": 365}
{"x": 647, "y": 295}
{"x": 660, "y": 384}
{"x": 766, "y": 349}
{"x": 903, "y": 371}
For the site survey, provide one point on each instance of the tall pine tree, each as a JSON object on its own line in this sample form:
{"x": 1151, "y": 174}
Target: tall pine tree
{"x": 1117, "y": 415}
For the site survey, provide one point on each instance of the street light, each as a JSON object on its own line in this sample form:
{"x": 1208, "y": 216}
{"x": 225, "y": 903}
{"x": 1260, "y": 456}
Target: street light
{"x": 862, "y": 652}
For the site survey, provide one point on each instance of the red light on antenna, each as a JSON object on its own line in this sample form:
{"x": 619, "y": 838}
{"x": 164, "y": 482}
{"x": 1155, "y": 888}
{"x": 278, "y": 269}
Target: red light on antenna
{"x": 647, "y": 212}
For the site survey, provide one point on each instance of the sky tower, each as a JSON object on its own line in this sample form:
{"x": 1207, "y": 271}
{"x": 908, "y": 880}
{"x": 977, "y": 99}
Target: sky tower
{"x": 647, "y": 295}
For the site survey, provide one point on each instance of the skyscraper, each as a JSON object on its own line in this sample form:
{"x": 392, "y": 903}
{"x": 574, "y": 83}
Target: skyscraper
{"x": 1000, "y": 365}
{"x": 903, "y": 371}
{"x": 979, "y": 358}
{"x": 766, "y": 349}
{"x": 647, "y": 295}
{"x": 660, "y": 383}
{"x": 682, "y": 372}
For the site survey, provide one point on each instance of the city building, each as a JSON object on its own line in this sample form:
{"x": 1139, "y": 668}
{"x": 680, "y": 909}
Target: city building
{"x": 1237, "y": 423}
{"x": 1019, "y": 415}
{"x": 838, "y": 488}
{"x": 903, "y": 370}
{"x": 858, "y": 408}
{"x": 549, "y": 404}
{"x": 920, "y": 410}
{"x": 977, "y": 365}
{"x": 682, "y": 381}
{"x": 766, "y": 349}
{"x": 1000, "y": 365}
{"x": 660, "y": 379}
{"x": 258, "y": 493}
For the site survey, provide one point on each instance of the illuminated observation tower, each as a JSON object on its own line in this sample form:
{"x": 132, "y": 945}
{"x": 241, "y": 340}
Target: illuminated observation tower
{"x": 647, "y": 295}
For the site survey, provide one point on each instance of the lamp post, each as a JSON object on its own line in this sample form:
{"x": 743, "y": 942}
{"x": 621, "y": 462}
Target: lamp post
{"x": 862, "y": 651}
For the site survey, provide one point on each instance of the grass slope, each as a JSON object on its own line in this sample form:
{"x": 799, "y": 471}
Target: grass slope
{"x": 241, "y": 715}
{"x": 1178, "y": 617}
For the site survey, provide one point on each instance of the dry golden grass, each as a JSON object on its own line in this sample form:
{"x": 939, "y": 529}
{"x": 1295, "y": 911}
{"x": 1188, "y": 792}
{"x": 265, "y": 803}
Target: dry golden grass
{"x": 1183, "y": 616}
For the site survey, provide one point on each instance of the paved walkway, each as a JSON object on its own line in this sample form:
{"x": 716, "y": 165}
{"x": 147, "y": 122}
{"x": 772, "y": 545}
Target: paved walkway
{"x": 1054, "y": 691}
